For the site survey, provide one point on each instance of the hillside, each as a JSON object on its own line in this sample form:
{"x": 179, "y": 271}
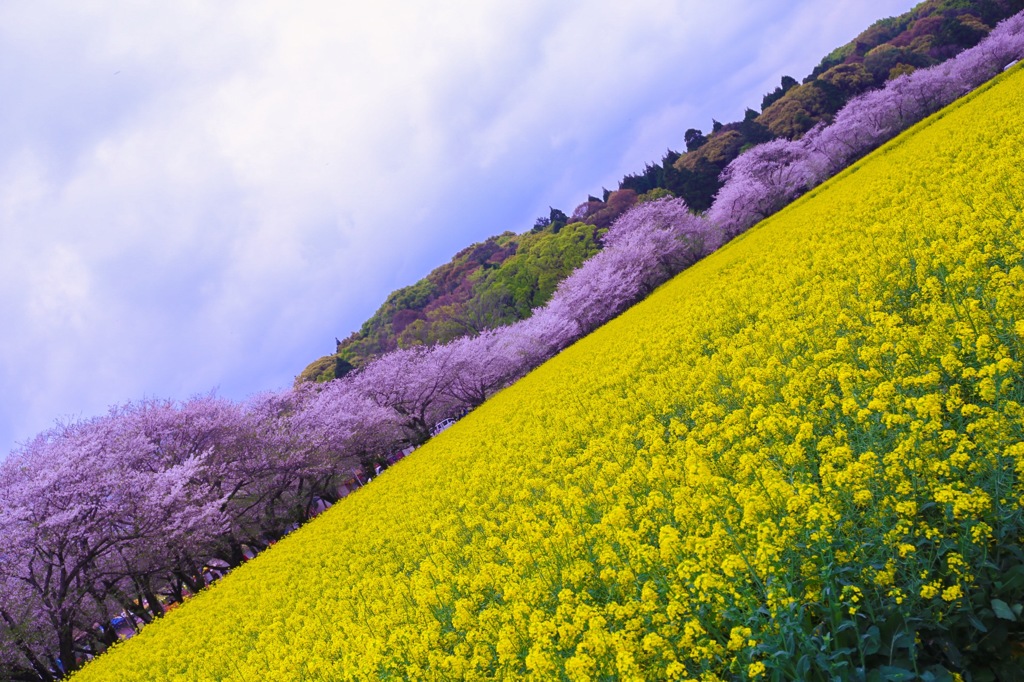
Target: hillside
{"x": 479, "y": 290}
{"x": 800, "y": 459}
{"x": 930, "y": 33}
{"x": 485, "y": 285}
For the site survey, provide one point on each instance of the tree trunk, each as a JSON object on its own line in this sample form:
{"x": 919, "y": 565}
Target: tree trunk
{"x": 25, "y": 650}
{"x": 66, "y": 645}
{"x": 189, "y": 581}
{"x": 155, "y": 607}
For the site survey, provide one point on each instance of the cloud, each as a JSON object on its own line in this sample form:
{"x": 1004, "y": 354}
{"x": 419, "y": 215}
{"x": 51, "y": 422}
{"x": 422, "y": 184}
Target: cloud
{"x": 200, "y": 195}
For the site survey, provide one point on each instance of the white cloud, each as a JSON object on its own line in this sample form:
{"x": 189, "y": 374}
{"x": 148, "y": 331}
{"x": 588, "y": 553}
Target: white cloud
{"x": 204, "y": 194}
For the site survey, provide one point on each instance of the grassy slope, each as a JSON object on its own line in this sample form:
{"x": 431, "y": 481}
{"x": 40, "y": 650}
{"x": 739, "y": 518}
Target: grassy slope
{"x": 780, "y": 426}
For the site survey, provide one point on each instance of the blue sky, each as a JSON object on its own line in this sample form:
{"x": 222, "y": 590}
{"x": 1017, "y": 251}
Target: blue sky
{"x": 199, "y": 196}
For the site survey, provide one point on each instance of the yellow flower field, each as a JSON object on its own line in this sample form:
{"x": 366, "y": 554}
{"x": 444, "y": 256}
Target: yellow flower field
{"x": 801, "y": 458}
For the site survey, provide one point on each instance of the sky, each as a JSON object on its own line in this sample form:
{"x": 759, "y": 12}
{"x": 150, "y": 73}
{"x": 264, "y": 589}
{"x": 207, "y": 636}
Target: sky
{"x": 202, "y": 196}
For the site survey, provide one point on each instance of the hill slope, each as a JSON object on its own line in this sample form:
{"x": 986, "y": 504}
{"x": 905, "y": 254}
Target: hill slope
{"x": 486, "y": 285}
{"x": 501, "y": 279}
{"x": 800, "y": 457}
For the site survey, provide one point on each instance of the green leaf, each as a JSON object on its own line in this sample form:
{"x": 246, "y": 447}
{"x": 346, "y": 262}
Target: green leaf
{"x": 1003, "y": 610}
{"x": 984, "y": 675}
{"x": 1006, "y": 670}
{"x": 903, "y": 640}
{"x": 803, "y": 666}
{"x": 1012, "y": 579}
{"x": 950, "y": 650}
{"x": 891, "y": 673}
{"x": 872, "y": 641}
{"x": 976, "y": 622}
{"x": 937, "y": 673}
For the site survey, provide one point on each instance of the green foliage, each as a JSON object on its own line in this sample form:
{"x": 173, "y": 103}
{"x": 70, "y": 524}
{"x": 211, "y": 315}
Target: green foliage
{"x": 321, "y": 369}
{"x": 527, "y": 280}
{"x": 881, "y": 60}
{"x": 654, "y": 195}
{"x": 961, "y": 34}
{"x": 341, "y": 367}
{"x": 653, "y": 177}
{"x": 694, "y": 139}
{"x": 697, "y": 182}
{"x": 788, "y": 83}
{"x": 415, "y": 296}
{"x": 849, "y": 79}
{"x": 696, "y": 173}
{"x": 554, "y": 221}
{"x": 801, "y": 108}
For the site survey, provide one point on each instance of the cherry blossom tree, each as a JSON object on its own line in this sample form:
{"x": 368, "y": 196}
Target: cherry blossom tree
{"x": 414, "y": 382}
{"x": 343, "y": 430}
{"x": 479, "y": 366}
{"x": 531, "y": 341}
{"x": 648, "y": 244}
{"x": 73, "y": 502}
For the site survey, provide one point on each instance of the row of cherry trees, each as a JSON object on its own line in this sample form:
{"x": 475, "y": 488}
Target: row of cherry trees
{"x": 108, "y": 520}
{"x": 769, "y": 176}
{"x": 118, "y": 515}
